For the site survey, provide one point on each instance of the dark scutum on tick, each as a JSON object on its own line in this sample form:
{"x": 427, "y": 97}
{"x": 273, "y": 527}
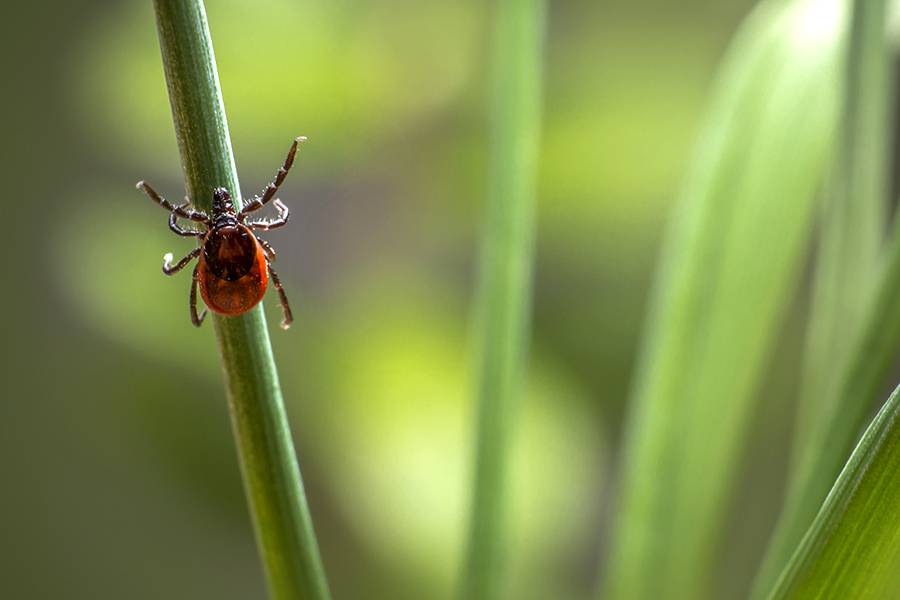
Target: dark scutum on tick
{"x": 234, "y": 264}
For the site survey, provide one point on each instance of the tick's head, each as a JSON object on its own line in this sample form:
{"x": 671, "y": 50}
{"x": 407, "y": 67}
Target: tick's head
{"x": 222, "y": 202}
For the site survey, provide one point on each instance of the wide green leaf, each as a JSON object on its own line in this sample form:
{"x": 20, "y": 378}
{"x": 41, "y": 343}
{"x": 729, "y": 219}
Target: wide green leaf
{"x": 852, "y": 549}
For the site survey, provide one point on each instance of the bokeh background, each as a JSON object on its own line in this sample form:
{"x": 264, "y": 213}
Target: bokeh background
{"x": 120, "y": 478}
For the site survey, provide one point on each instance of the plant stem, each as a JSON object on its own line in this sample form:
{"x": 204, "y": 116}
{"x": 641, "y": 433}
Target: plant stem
{"x": 281, "y": 518}
{"x": 504, "y": 295}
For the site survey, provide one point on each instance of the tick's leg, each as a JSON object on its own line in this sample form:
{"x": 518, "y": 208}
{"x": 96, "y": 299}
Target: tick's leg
{"x": 173, "y": 225}
{"x": 170, "y": 269}
{"x": 189, "y": 213}
{"x": 285, "y": 307}
{"x": 279, "y": 221}
{"x": 145, "y": 187}
{"x": 272, "y": 188}
{"x": 179, "y": 210}
{"x": 196, "y": 319}
{"x": 270, "y": 251}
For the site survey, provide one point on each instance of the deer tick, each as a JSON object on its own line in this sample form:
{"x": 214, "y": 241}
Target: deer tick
{"x": 235, "y": 263}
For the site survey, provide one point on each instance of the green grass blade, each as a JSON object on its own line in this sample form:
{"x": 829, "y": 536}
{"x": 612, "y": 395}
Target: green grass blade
{"x": 281, "y": 518}
{"x": 872, "y": 360}
{"x": 504, "y": 295}
{"x": 842, "y": 373}
{"x": 852, "y": 549}
{"x": 729, "y": 268}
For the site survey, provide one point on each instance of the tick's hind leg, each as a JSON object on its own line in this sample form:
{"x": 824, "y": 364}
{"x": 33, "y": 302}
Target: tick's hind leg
{"x": 196, "y": 319}
{"x": 267, "y": 247}
{"x": 170, "y": 269}
{"x": 285, "y": 307}
{"x": 272, "y": 188}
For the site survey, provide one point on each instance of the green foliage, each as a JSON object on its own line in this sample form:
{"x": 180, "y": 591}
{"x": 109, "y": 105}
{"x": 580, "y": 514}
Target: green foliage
{"x": 378, "y": 378}
{"x": 729, "y": 268}
{"x": 852, "y": 549}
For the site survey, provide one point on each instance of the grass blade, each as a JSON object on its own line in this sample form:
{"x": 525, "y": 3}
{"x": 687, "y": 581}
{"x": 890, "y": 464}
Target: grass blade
{"x": 852, "y": 549}
{"x": 842, "y": 379}
{"x": 504, "y": 295}
{"x": 872, "y": 360}
{"x": 281, "y": 517}
{"x": 729, "y": 265}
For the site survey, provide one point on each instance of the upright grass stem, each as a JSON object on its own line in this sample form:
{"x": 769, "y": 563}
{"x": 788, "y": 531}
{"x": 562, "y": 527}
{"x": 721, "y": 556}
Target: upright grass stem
{"x": 281, "y": 518}
{"x": 504, "y": 295}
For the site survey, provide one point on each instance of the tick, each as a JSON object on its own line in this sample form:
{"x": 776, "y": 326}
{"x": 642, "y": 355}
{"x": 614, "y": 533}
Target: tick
{"x": 235, "y": 263}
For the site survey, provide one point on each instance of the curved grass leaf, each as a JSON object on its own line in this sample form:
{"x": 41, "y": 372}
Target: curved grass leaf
{"x": 728, "y": 272}
{"x": 852, "y": 549}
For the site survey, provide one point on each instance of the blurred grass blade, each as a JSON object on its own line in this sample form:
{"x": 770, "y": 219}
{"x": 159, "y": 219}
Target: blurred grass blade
{"x": 871, "y": 360}
{"x": 729, "y": 267}
{"x": 842, "y": 371}
{"x": 505, "y": 281}
{"x": 852, "y": 549}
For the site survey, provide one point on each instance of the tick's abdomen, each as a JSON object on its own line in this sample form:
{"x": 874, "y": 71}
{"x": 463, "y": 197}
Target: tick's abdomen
{"x": 233, "y": 271}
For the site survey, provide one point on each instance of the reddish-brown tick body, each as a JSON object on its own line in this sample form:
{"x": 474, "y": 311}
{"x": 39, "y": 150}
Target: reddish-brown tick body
{"x": 233, "y": 271}
{"x": 235, "y": 263}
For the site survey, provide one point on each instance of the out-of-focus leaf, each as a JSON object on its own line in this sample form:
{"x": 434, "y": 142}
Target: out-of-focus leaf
{"x": 397, "y": 426}
{"x": 729, "y": 268}
{"x": 847, "y": 325}
{"x": 110, "y": 269}
{"x": 328, "y": 70}
{"x": 852, "y": 549}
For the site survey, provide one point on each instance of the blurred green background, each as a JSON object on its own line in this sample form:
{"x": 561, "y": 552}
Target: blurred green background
{"x": 120, "y": 476}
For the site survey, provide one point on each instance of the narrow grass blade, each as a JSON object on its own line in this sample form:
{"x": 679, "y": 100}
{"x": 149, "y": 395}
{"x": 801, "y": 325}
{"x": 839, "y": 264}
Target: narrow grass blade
{"x": 504, "y": 295}
{"x": 729, "y": 268}
{"x": 842, "y": 373}
{"x": 281, "y": 518}
{"x": 852, "y": 549}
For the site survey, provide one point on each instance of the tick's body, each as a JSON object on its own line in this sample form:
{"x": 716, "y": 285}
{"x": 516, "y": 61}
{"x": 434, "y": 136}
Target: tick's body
{"x": 233, "y": 270}
{"x": 235, "y": 264}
